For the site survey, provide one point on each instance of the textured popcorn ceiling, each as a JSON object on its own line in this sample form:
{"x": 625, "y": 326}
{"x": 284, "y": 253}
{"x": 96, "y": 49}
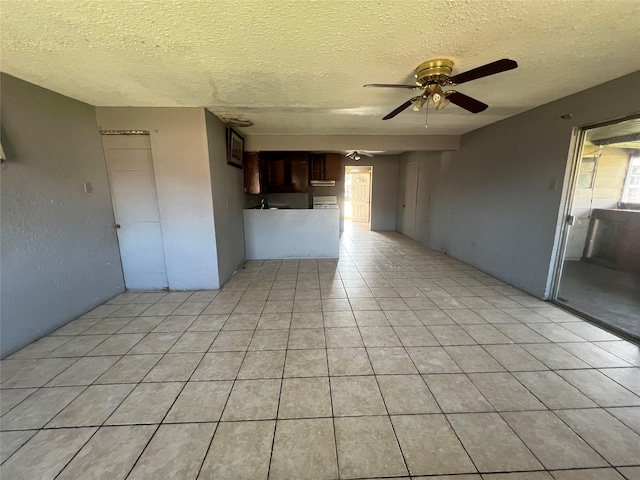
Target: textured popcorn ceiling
{"x": 297, "y": 67}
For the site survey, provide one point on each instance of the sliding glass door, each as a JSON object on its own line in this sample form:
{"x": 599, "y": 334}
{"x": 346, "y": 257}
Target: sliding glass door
{"x": 599, "y": 275}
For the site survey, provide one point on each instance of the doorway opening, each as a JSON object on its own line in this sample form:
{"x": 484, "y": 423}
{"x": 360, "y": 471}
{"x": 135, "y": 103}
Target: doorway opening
{"x": 357, "y": 195}
{"x": 598, "y": 273}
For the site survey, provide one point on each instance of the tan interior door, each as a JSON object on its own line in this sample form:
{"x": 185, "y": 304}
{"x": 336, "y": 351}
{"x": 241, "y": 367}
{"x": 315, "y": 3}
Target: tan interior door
{"x": 361, "y": 197}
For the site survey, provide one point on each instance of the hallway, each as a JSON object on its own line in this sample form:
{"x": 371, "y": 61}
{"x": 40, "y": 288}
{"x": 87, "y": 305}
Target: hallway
{"x": 396, "y": 361}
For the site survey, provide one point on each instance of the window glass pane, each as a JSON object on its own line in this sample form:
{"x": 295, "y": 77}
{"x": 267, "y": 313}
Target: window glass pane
{"x": 586, "y": 172}
{"x": 584, "y": 180}
{"x": 631, "y": 193}
{"x": 588, "y": 164}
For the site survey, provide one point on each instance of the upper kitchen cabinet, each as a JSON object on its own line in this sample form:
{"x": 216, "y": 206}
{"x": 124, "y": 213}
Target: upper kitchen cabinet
{"x": 326, "y": 166}
{"x": 276, "y": 172}
{"x": 333, "y": 166}
{"x": 253, "y": 173}
{"x": 287, "y": 172}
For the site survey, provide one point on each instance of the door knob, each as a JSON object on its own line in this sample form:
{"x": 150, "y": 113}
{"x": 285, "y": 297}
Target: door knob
{"x": 117, "y": 225}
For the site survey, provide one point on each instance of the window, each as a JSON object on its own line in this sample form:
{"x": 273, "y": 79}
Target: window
{"x": 631, "y": 192}
{"x": 587, "y": 172}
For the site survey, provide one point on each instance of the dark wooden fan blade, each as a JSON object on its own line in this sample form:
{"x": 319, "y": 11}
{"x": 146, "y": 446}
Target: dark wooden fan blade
{"x": 466, "y": 102}
{"x": 401, "y": 108}
{"x": 392, "y": 85}
{"x": 485, "y": 70}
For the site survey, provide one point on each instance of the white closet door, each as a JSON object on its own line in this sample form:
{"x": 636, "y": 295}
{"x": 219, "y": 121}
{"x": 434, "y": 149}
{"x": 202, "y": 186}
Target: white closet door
{"x": 135, "y": 207}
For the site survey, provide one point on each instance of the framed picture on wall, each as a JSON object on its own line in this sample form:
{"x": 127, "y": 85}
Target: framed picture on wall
{"x": 235, "y": 148}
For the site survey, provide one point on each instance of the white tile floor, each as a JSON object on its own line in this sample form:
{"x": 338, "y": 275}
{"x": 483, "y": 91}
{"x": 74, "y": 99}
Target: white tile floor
{"x": 397, "y": 361}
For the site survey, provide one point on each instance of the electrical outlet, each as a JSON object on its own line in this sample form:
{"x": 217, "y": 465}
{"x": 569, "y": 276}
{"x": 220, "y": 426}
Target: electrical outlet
{"x": 88, "y": 188}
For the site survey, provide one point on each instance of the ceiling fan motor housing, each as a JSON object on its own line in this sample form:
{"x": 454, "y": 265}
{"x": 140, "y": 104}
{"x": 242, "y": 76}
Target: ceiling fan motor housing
{"x": 434, "y": 71}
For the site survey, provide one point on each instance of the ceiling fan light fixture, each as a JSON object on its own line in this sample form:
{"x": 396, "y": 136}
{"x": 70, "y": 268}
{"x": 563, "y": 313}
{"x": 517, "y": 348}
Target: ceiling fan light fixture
{"x": 442, "y": 103}
{"x": 357, "y": 154}
{"x": 419, "y": 102}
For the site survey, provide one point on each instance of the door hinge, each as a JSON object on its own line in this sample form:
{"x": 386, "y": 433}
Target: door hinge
{"x": 570, "y": 219}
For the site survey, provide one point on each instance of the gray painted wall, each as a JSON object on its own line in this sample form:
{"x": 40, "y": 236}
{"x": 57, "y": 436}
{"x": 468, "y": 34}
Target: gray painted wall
{"x": 180, "y": 151}
{"x": 59, "y": 249}
{"x": 494, "y": 205}
{"x": 227, "y": 187}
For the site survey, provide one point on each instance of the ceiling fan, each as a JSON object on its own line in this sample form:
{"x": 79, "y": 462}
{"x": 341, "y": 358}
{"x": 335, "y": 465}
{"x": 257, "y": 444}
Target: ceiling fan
{"x": 433, "y": 75}
{"x": 356, "y": 154}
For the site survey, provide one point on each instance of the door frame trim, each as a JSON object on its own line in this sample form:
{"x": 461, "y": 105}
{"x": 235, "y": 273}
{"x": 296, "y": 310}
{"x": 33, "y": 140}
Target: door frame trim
{"x": 578, "y": 134}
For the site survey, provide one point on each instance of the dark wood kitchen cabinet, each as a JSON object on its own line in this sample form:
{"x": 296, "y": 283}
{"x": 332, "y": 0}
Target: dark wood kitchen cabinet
{"x": 276, "y": 172}
{"x": 326, "y": 166}
{"x": 287, "y": 172}
{"x": 333, "y": 166}
{"x": 253, "y": 173}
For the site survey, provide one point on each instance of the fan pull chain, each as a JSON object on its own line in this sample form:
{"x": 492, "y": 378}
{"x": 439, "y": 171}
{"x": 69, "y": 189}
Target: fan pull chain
{"x": 426, "y": 118}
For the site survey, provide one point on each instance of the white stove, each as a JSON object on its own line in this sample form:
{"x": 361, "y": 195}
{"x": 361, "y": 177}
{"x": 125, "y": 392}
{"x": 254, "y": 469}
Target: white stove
{"x": 326, "y": 202}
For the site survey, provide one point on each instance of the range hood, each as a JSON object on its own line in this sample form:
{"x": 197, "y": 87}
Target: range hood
{"x": 323, "y": 183}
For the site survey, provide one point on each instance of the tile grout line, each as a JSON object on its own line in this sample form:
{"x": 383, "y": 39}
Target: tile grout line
{"x": 228, "y": 396}
{"x": 100, "y": 426}
{"x": 120, "y": 404}
{"x": 442, "y": 412}
{"x": 388, "y": 416}
{"x": 84, "y": 390}
{"x": 333, "y": 413}
{"x": 482, "y": 345}
{"x": 215, "y": 430}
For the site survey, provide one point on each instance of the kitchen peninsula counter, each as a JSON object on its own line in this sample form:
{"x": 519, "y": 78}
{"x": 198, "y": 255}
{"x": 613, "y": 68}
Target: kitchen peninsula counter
{"x": 291, "y": 233}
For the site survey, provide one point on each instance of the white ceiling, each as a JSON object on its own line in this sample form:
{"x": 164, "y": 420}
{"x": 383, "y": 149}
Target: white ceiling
{"x": 298, "y": 66}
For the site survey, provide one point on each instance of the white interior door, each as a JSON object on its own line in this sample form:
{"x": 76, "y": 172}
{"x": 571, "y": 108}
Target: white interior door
{"x": 361, "y": 197}
{"x": 410, "y": 197}
{"x": 135, "y": 207}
